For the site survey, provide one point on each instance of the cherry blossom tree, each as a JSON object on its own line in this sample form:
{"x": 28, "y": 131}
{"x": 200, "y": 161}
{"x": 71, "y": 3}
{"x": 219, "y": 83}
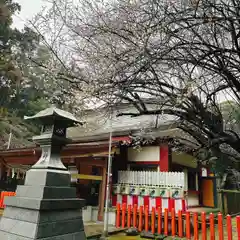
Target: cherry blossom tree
{"x": 184, "y": 55}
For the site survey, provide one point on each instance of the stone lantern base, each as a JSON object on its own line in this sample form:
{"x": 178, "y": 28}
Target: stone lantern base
{"x": 45, "y": 208}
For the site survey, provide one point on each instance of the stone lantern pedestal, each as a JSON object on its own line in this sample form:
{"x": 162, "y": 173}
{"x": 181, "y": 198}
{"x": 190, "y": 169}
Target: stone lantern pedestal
{"x": 46, "y": 207}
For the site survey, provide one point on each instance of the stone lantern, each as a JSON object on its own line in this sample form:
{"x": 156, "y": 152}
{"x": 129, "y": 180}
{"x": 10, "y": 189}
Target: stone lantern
{"x": 46, "y": 207}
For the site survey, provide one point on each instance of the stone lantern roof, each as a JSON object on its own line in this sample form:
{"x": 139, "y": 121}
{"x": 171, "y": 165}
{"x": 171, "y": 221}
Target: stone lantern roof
{"x": 53, "y": 113}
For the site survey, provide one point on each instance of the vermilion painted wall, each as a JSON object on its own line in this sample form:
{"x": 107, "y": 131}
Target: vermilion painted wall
{"x": 165, "y": 158}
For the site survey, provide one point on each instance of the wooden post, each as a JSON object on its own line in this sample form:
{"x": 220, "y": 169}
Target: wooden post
{"x": 220, "y": 226}
{"x": 146, "y": 219}
{"x": 1, "y": 199}
{"x": 102, "y": 192}
{"x": 123, "y": 214}
{"x": 166, "y": 221}
{"x": 204, "y": 228}
{"x": 180, "y": 224}
{"x": 220, "y": 201}
{"x": 195, "y": 224}
{"x": 225, "y": 204}
{"x": 229, "y": 227}
{"x": 153, "y": 220}
{"x": 118, "y": 215}
{"x": 129, "y": 216}
{"x": 188, "y": 229}
{"x": 135, "y": 216}
{"x": 238, "y": 226}
{"x": 140, "y": 218}
{"x": 159, "y": 220}
{"x": 212, "y": 226}
{"x": 173, "y": 222}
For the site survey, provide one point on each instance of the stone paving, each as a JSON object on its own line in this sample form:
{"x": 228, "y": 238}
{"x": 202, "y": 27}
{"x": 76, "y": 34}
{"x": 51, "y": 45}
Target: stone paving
{"x": 96, "y": 228}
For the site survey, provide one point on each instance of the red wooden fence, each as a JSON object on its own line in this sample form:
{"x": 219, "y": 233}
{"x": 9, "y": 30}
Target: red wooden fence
{"x": 177, "y": 224}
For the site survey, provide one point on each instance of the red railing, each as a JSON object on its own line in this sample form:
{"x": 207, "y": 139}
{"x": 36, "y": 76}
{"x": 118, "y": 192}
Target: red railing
{"x": 189, "y": 225}
{"x": 3, "y": 195}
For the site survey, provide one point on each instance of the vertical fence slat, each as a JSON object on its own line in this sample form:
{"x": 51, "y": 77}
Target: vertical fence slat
{"x": 146, "y": 219}
{"x": 129, "y": 216}
{"x": 180, "y": 224}
{"x": 123, "y": 214}
{"x": 118, "y": 215}
{"x": 238, "y": 226}
{"x": 220, "y": 226}
{"x": 173, "y": 222}
{"x": 140, "y": 223}
{"x": 204, "y": 228}
{"x": 229, "y": 227}
{"x": 153, "y": 220}
{"x": 195, "y": 225}
{"x": 1, "y": 199}
{"x": 135, "y": 216}
{"x": 5, "y": 195}
{"x": 188, "y": 229}
{"x": 159, "y": 220}
{"x": 212, "y": 227}
{"x": 165, "y": 221}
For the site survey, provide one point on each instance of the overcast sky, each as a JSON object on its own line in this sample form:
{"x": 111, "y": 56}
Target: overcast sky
{"x": 29, "y": 9}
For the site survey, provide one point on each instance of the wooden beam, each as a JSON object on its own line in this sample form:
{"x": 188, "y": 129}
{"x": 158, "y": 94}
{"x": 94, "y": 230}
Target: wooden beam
{"x": 28, "y": 160}
{"x": 32, "y": 160}
{"x": 86, "y": 177}
{"x": 97, "y": 154}
{"x": 90, "y": 161}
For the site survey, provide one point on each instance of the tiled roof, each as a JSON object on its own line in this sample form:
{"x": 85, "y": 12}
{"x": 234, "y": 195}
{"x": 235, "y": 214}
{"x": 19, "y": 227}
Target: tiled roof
{"x": 98, "y": 123}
